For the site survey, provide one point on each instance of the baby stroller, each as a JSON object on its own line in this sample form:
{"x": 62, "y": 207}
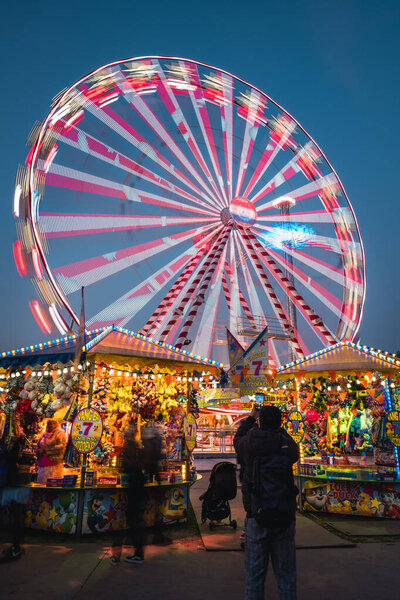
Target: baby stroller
{"x": 221, "y": 488}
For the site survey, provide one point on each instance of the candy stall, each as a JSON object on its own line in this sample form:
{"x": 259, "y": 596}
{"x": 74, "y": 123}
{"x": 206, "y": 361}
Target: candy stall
{"x": 345, "y": 412}
{"x": 72, "y": 411}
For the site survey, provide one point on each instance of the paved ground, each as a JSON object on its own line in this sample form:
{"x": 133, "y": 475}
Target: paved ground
{"x": 61, "y": 569}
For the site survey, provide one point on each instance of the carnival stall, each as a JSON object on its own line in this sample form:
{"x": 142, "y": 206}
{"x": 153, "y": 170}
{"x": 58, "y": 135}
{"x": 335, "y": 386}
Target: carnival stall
{"x": 123, "y": 378}
{"x": 344, "y": 409}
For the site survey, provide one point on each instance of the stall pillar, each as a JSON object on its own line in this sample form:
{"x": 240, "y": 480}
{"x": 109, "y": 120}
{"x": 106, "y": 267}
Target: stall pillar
{"x": 81, "y": 494}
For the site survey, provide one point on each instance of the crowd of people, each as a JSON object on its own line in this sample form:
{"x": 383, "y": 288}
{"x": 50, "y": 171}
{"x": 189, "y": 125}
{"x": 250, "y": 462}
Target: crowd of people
{"x": 265, "y": 453}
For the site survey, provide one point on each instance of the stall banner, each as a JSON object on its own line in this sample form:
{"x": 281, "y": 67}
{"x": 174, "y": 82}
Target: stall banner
{"x": 190, "y": 430}
{"x": 218, "y": 394}
{"x": 235, "y": 349}
{"x": 254, "y": 365}
{"x": 105, "y": 509}
{"x": 52, "y": 510}
{"x": 393, "y": 427}
{"x": 86, "y": 431}
{"x": 363, "y": 499}
{"x": 396, "y": 397}
{"x": 295, "y": 426}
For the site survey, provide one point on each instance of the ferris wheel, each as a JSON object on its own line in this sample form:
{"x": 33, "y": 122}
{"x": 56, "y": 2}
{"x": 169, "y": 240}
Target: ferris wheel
{"x": 184, "y": 200}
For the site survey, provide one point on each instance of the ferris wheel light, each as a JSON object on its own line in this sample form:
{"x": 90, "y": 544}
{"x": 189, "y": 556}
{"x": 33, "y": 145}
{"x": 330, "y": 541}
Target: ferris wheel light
{"x": 282, "y": 200}
{"x": 17, "y": 197}
{"x": 57, "y": 319}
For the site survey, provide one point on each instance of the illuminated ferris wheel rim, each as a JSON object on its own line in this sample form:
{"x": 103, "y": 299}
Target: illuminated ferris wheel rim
{"x": 57, "y": 289}
{"x": 55, "y": 285}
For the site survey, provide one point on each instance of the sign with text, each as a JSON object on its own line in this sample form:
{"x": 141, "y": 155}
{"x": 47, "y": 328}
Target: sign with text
{"x": 218, "y": 394}
{"x": 254, "y": 365}
{"x": 295, "y": 426}
{"x": 87, "y": 429}
{"x": 190, "y": 429}
{"x": 393, "y": 427}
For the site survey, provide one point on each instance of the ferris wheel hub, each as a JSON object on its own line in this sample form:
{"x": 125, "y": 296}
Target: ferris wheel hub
{"x": 243, "y": 212}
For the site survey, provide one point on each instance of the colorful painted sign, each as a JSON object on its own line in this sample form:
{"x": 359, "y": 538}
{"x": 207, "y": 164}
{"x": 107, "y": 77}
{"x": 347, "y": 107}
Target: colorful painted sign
{"x": 393, "y": 427}
{"x": 295, "y": 426}
{"x": 218, "y": 394}
{"x": 52, "y": 511}
{"x": 253, "y": 367}
{"x": 235, "y": 349}
{"x": 346, "y": 498}
{"x": 190, "y": 429}
{"x": 105, "y": 509}
{"x": 87, "y": 429}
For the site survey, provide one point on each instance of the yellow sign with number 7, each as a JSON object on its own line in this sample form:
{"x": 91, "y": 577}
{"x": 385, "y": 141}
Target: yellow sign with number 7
{"x": 190, "y": 429}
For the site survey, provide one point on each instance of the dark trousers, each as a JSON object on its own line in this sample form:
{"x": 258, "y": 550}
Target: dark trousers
{"x": 134, "y": 517}
{"x": 261, "y": 544}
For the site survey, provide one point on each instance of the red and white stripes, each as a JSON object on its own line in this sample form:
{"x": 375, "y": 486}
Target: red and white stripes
{"x": 174, "y": 292}
{"x": 203, "y": 288}
{"x": 276, "y": 304}
{"x": 190, "y": 291}
{"x": 314, "y": 320}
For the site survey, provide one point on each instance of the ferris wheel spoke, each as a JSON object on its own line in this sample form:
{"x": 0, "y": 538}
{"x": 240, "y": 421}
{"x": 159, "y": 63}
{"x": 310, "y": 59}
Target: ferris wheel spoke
{"x": 72, "y": 179}
{"x": 312, "y": 216}
{"x": 112, "y": 119}
{"x": 165, "y": 87}
{"x": 254, "y": 106}
{"x": 54, "y": 225}
{"x": 203, "y": 288}
{"x": 205, "y": 331}
{"x": 275, "y": 362}
{"x": 143, "y": 109}
{"x": 132, "y": 302}
{"x": 333, "y": 273}
{"x": 323, "y": 295}
{"x": 256, "y": 308}
{"x": 163, "y": 308}
{"x": 310, "y": 316}
{"x": 188, "y": 292}
{"x": 199, "y": 106}
{"x": 92, "y": 270}
{"x": 227, "y": 127}
{"x": 242, "y": 299}
{"x": 282, "y": 129}
{"x": 277, "y": 307}
{"x": 314, "y": 188}
{"x": 82, "y": 141}
{"x": 303, "y": 161}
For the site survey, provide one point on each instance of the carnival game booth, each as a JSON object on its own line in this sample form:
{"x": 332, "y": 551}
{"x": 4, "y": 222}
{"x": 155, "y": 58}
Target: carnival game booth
{"x": 124, "y": 378}
{"x": 345, "y": 411}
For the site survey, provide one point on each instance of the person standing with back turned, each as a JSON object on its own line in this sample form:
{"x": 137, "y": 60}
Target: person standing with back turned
{"x": 267, "y": 454}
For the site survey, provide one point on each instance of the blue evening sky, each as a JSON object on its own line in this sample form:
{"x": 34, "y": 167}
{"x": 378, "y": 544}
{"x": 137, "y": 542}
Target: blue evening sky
{"x": 333, "y": 64}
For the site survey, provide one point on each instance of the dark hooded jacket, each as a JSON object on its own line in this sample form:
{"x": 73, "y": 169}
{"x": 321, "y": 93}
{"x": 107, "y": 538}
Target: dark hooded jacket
{"x": 251, "y": 441}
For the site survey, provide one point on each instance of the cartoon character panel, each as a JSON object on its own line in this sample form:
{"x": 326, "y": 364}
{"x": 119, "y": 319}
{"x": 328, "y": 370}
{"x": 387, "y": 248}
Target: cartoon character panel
{"x": 52, "y": 511}
{"x": 361, "y": 499}
{"x": 105, "y": 509}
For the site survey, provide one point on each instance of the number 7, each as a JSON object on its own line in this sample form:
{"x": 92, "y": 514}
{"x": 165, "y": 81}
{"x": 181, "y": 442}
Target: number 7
{"x": 258, "y": 364}
{"x": 88, "y": 426}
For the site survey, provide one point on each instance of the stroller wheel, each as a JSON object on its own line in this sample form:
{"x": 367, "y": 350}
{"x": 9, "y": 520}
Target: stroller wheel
{"x": 212, "y": 525}
{"x": 233, "y": 524}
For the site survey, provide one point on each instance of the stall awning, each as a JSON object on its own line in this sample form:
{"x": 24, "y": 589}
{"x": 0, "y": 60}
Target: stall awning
{"x": 343, "y": 357}
{"x": 107, "y": 345}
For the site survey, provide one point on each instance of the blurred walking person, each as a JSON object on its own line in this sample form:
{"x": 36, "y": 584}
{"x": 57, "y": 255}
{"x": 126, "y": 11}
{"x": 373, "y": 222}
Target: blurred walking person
{"x": 133, "y": 464}
{"x": 13, "y": 498}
